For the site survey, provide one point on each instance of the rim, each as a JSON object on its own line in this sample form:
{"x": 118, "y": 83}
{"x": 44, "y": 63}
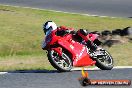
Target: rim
{"x": 63, "y": 62}
{"x": 106, "y": 59}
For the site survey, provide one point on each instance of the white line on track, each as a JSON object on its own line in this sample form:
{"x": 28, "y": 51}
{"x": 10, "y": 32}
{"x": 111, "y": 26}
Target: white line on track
{"x": 80, "y": 68}
{"x": 96, "y": 68}
{"x": 58, "y": 11}
{"x": 1, "y": 73}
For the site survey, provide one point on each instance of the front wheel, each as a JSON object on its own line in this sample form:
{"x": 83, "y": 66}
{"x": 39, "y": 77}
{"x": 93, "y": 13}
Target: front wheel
{"x": 104, "y": 61}
{"x": 62, "y": 63}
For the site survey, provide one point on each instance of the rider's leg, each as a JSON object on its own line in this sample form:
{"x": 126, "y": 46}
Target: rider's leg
{"x": 94, "y": 50}
{"x": 91, "y": 46}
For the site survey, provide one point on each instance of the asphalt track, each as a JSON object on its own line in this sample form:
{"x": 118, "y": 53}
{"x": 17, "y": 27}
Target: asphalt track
{"x": 54, "y": 79}
{"x": 115, "y": 8}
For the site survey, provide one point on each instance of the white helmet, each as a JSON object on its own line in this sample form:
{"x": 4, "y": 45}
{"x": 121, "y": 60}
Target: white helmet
{"x": 49, "y": 26}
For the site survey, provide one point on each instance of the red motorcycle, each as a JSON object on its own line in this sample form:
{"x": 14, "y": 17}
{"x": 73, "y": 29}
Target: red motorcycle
{"x": 64, "y": 52}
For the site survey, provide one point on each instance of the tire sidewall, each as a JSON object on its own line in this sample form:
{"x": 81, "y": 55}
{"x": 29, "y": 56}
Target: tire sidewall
{"x": 102, "y": 66}
{"x": 55, "y": 65}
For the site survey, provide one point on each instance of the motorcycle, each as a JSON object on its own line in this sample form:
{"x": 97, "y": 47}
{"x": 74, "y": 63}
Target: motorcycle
{"x": 64, "y": 52}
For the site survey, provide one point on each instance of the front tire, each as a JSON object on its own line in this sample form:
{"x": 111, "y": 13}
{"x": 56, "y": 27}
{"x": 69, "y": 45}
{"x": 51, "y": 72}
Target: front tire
{"x": 104, "y": 62}
{"x": 62, "y": 64}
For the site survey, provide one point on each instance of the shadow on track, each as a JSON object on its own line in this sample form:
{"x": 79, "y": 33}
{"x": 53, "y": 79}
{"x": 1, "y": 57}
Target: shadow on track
{"x": 44, "y": 71}
{"x": 34, "y": 71}
{"x": 52, "y": 71}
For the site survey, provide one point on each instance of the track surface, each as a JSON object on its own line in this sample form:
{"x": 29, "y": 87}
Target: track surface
{"x": 53, "y": 79}
{"x": 116, "y": 8}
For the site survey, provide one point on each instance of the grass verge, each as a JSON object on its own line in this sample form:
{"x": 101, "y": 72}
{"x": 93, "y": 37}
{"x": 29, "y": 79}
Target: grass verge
{"x": 31, "y": 62}
{"x": 21, "y": 35}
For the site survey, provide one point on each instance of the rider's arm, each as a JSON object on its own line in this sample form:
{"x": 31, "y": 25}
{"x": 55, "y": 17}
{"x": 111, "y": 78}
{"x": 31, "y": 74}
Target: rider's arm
{"x": 43, "y": 44}
{"x": 62, "y": 30}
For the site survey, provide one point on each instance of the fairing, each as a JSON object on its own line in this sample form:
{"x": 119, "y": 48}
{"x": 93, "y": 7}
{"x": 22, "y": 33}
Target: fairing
{"x": 78, "y": 51}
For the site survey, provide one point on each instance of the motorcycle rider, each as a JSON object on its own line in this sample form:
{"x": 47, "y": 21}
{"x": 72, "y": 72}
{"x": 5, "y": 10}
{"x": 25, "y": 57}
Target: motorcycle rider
{"x": 49, "y": 26}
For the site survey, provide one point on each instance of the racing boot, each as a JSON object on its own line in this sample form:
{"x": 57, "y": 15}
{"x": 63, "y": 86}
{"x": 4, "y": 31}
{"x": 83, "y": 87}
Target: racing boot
{"x": 91, "y": 46}
{"x": 93, "y": 49}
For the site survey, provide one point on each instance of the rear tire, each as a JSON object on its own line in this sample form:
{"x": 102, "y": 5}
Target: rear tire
{"x": 105, "y": 62}
{"x": 62, "y": 64}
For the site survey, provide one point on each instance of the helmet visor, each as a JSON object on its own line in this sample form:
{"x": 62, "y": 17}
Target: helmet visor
{"x": 48, "y": 31}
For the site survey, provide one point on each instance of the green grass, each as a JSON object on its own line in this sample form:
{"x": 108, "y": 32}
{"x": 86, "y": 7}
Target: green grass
{"x": 122, "y": 54}
{"x": 31, "y": 62}
{"x": 21, "y": 34}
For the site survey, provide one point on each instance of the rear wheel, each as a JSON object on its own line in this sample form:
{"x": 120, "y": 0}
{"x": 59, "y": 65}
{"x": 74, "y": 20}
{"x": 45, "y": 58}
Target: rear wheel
{"x": 104, "y": 61}
{"x": 62, "y": 63}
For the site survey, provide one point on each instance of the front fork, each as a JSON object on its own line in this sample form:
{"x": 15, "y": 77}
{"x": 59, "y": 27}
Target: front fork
{"x": 58, "y": 50}
{"x": 97, "y": 54}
